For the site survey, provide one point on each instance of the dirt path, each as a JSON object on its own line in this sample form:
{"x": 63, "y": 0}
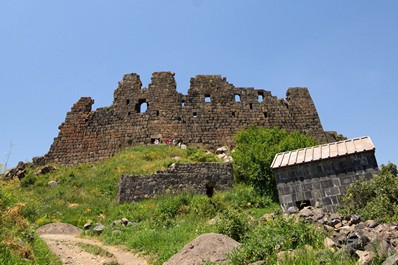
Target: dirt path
{"x": 73, "y": 250}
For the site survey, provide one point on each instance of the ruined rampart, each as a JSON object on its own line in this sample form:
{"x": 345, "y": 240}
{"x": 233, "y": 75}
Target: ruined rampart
{"x": 209, "y": 115}
{"x": 203, "y": 178}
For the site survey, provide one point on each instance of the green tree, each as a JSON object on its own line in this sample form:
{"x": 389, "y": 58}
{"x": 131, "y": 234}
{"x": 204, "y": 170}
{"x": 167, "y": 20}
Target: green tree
{"x": 255, "y": 150}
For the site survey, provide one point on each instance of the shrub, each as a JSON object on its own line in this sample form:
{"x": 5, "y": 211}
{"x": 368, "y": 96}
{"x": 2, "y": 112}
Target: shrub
{"x": 281, "y": 234}
{"x": 255, "y": 150}
{"x": 376, "y": 198}
{"x": 233, "y": 223}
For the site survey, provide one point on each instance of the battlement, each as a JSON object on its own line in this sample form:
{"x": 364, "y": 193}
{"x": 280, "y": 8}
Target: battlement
{"x": 209, "y": 115}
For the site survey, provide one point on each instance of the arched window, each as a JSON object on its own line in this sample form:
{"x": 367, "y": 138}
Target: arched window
{"x": 207, "y": 98}
{"x": 237, "y": 98}
{"x": 142, "y": 106}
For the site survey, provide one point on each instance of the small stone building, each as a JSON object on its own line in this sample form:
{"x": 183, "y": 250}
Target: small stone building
{"x": 322, "y": 173}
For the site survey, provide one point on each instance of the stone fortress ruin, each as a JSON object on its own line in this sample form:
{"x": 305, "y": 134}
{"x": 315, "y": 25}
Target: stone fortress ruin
{"x": 209, "y": 115}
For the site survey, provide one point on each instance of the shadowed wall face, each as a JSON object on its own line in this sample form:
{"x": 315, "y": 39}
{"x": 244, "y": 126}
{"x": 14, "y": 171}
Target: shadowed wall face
{"x": 209, "y": 115}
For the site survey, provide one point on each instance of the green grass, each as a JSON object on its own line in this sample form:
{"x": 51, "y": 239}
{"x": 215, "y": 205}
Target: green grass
{"x": 161, "y": 226}
{"x": 95, "y": 250}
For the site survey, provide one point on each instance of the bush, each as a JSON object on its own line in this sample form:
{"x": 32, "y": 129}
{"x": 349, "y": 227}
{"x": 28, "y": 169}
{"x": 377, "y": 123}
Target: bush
{"x": 375, "y": 199}
{"x": 280, "y": 234}
{"x": 255, "y": 150}
{"x": 233, "y": 223}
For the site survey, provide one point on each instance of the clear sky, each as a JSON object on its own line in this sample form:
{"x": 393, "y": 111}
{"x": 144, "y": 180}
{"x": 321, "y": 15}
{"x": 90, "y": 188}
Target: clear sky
{"x": 53, "y": 52}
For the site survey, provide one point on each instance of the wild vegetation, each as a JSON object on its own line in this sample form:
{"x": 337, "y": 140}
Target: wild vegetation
{"x": 162, "y": 226}
{"x": 255, "y": 150}
{"x": 375, "y": 199}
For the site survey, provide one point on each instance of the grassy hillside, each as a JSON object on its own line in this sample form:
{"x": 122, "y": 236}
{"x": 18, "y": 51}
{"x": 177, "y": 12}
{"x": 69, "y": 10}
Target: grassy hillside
{"x": 159, "y": 227}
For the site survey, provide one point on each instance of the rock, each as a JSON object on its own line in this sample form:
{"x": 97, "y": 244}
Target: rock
{"x": 391, "y": 260}
{"x": 125, "y": 221}
{"x": 355, "y": 219}
{"x": 292, "y": 210}
{"x": 52, "y": 183}
{"x": 221, "y": 156}
{"x": 59, "y": 229}
{"x": 350, "y": 252}
{"x": 381, "y": 247}
{"x": 372, "y": 224}
{"x": 319, "y": 213}
{"x": 333, "y": 222}
{"x": 329, "y": 243}
{"x": 357, "y": 241}
{"x": 305, "y": 212}
{"x": 117, "y": 222}
{"x": 45, "y": 170}
{"x": 318, "y": 205}
{"x": 98, "y": 228}
{"x": 131, "y": 223}
{"x": 365, "y": 257}
{"x": 205, "y": 248}
{"x": 222, "y": 150}
{"x": 87, "y": 226}
{"x": 183, "y": 146}
{"x": 267, "y": 216}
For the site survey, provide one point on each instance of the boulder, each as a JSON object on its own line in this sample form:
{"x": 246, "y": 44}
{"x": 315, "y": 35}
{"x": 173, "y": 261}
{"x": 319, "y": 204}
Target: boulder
{"x": 205, "y": 248}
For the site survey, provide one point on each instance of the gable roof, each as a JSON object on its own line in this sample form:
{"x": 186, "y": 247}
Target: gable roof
{"x": 324, "y": 151}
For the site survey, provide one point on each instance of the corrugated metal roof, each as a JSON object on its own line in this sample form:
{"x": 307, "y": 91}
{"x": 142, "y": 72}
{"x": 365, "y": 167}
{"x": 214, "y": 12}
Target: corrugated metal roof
{"x": 324, "y": 151}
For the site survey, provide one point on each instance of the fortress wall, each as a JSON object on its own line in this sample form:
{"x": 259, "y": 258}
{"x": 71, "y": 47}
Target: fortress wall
{"x": 209, "y": 115}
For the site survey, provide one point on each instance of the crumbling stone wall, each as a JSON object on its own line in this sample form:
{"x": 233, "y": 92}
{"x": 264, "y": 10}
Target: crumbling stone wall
{"x": 323, "y": 180}
{"x": 203, "y": 178}
{"x": 209, "y": 115}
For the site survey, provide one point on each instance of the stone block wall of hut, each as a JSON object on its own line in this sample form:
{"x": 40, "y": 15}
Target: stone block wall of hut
{"x": 323, "y": 180}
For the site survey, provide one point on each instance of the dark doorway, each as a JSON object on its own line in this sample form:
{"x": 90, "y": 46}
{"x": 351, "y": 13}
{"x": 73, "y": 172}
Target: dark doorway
{"x": 209, "y": 189}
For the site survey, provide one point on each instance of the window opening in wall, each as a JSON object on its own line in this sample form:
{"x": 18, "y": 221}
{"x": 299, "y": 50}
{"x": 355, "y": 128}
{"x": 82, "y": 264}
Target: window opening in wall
{"x": 251, "y": 106}
{"x": 302, "y": 204}
{"x": 157, "y": 113}
{"x": 182, "y": 103}
{"x": 237, "y": 98}
{"x": 265, "y": 114}
{"x": 128, "y": 113}
{"x": 233, "y": 114}
{"x": 195, "y": 114}
{"x": 127, "y": 101}
{"x": 142, "y": 106}
{"x": 260, "y": 97}
{"x": 207, "y": 98}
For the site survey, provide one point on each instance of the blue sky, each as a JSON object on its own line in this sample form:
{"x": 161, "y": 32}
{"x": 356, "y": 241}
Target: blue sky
{"x": 54, "y": 52}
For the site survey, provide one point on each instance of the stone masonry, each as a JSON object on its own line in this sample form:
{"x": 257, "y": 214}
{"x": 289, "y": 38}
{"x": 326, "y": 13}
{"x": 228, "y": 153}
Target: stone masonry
{"x": 323, "y": 180}
{"x": 203, "y": 178}
{"x": 209, "y": 116}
